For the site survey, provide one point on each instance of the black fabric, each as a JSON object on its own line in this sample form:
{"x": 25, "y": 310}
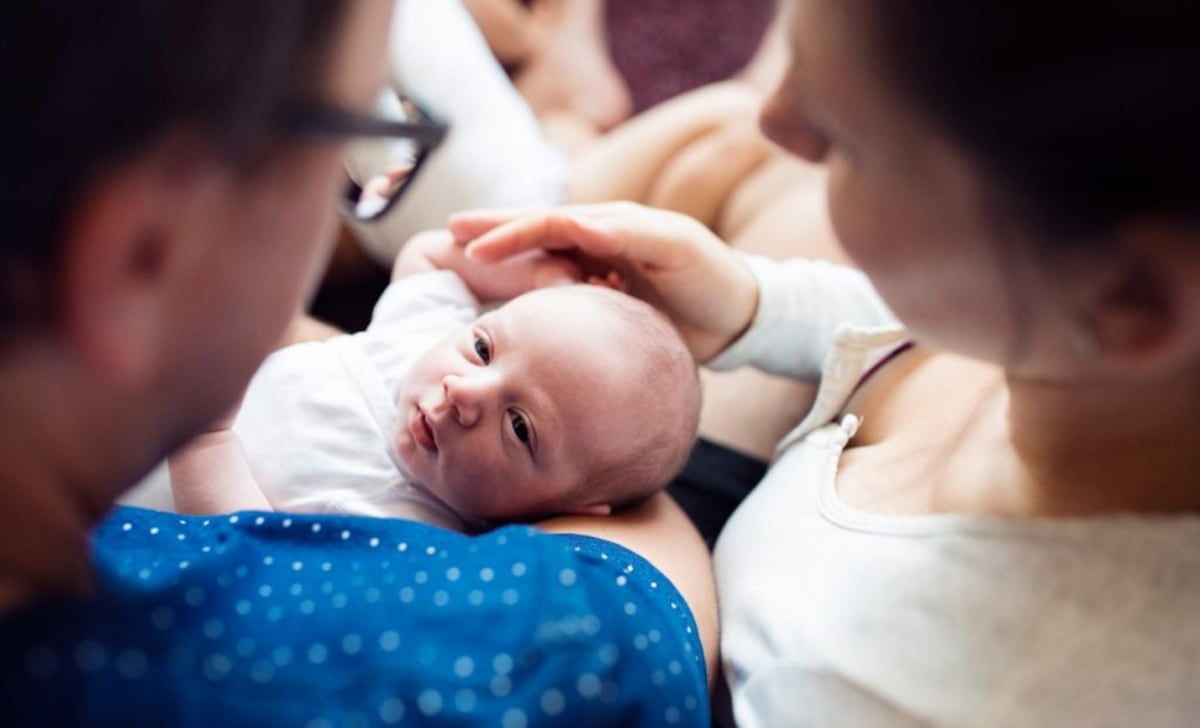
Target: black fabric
{"x": 713, "y": 483}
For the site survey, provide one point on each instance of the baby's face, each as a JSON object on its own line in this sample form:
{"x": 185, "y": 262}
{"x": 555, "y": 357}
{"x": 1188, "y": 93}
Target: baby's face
{"x": 504, "y": 419}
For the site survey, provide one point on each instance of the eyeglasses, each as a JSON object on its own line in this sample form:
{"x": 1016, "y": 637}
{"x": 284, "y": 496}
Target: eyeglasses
{"x": 385, "y": 152}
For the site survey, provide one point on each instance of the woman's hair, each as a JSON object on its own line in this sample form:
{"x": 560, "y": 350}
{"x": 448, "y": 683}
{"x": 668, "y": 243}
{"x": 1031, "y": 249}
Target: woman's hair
{"x": 1085, "y": 114}
{"x": 85, "y": 84}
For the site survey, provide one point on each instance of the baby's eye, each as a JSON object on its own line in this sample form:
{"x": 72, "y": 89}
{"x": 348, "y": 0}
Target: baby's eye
{"x": 481, "y": 348}
{"x": 520, "y": 429}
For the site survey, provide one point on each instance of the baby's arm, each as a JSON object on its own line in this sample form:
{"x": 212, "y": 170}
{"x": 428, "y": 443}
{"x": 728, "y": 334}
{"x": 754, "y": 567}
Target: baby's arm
{"x": 489, "y": 282}
{"x": 210, "y": 475}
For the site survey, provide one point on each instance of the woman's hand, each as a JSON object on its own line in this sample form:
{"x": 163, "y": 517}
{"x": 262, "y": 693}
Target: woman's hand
{"x": 667, "y": 259}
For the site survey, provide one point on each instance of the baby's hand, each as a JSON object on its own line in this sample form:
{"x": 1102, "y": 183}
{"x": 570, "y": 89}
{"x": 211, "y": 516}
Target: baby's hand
{"x": 417, "y": 255}
{"x": 612, "y": 279}
{"x": 500, "y": 281}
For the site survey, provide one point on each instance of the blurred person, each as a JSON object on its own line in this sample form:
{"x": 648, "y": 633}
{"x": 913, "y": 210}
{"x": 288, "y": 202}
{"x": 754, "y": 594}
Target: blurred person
{"x": 557, "y": 55}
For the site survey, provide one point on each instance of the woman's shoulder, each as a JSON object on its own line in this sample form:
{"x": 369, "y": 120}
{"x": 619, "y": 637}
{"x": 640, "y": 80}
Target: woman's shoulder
{"x": 894, "y": 398}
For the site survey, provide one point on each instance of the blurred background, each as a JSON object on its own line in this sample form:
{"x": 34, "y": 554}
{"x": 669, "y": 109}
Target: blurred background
{"x": 657, "y": 48}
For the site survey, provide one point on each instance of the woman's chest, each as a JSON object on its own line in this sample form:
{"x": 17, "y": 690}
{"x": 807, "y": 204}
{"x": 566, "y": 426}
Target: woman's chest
{"x": 920, "y": 417}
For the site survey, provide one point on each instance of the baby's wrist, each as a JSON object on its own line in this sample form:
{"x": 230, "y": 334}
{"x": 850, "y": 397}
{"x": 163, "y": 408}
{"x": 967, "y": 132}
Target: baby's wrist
{"x": 424, "y": 252}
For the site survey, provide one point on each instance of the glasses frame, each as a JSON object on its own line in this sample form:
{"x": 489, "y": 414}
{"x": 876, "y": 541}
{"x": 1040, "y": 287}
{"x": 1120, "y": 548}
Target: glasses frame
{"x": 333, "y": 122}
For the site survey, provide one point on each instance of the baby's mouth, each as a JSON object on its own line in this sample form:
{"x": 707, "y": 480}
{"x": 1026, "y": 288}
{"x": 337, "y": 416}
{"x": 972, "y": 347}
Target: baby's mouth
{"x": 422, "y": 431}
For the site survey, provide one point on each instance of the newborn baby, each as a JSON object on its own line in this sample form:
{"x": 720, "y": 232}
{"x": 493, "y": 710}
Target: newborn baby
{"x": 574, "y": 399}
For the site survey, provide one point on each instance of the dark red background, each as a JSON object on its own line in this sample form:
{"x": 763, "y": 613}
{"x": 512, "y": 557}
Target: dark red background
{"x": 664, "y": 47}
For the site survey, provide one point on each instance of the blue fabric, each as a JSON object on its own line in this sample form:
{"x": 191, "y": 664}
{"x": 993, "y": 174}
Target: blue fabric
{"x": 276, "y": 619}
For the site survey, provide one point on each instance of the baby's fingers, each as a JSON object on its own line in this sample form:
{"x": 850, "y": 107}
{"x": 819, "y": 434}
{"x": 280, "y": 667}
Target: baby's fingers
{"x": 556, "y": 270}
{"x": 612, "y": 279}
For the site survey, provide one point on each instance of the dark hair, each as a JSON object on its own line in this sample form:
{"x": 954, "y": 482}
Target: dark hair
{"x": 84, "y": 84}
{"x": 1084, "y": 113}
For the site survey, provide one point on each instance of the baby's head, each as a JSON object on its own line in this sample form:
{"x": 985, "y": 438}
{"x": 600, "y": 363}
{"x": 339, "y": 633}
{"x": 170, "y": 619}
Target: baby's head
{"x": 576, "y": 399}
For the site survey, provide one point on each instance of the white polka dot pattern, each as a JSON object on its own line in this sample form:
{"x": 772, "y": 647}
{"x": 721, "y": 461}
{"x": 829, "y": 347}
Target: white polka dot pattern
{"x": 323, "y": 620}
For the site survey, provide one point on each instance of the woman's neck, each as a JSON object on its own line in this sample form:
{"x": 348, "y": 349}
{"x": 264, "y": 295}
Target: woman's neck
{"x": 1105, "y": 447}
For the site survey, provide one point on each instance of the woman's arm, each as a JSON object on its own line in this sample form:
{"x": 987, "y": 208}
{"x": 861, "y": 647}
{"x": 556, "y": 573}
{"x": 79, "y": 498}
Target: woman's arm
{"x": 802, "y": 304}
{"x": 661, "y": 533}
{"x": 729, "y": 308}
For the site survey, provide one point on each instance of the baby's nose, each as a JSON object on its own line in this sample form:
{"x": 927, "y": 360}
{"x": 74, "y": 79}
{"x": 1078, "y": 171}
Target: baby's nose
{"x": 469, "y": 395}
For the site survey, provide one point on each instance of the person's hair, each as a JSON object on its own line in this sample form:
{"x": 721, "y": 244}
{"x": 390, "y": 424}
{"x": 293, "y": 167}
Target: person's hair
{"x": 84, "y": 85}
{"x": 667, "y": 376}
{"x": 1083, "y": 115}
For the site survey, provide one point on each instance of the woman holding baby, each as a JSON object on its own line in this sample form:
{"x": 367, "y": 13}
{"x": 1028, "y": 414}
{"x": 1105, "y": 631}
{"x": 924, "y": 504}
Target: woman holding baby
{"x": 990, "y": 514}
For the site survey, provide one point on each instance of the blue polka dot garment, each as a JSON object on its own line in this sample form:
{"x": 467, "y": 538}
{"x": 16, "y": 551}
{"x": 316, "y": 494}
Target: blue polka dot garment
{"x": 271, "y": 619}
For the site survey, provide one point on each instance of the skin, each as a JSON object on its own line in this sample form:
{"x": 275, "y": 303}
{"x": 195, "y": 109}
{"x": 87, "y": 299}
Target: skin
{"x": 559, "y": 59}
{"x": 546, "y": 366}
{"x": 1028, "y": 423}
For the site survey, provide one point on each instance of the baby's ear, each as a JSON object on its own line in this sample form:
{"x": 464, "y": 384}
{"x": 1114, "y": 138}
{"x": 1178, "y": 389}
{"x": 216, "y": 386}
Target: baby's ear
{"x": 596, "y": 509}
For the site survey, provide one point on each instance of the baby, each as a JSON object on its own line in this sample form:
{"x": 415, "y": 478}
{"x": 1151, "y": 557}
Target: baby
{"x": 573, "y": 399}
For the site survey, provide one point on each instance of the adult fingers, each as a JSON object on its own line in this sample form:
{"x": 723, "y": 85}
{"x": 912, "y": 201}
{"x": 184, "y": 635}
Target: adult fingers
{"x": 552, "y": 231}
{"x": 470, "y": 224}
{"x": 612, "y": 233}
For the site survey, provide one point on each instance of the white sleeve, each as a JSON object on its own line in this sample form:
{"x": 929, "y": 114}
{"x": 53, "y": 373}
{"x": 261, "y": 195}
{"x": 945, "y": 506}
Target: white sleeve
{"x": 797, "y": 694}
{"x": 436, "y": 294}
{"x": 494, "y": 154}
{"x": 801, "y": 304}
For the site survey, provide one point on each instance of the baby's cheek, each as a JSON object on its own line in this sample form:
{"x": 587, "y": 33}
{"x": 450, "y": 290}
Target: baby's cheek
{"x": 466, "y": 484}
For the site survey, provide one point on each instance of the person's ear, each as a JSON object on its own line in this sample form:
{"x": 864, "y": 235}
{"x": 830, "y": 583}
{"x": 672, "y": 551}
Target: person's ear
{"x": 1144, "y": 310}
{"x": 595, "y": 509}
{"x": 125, "y": 248}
